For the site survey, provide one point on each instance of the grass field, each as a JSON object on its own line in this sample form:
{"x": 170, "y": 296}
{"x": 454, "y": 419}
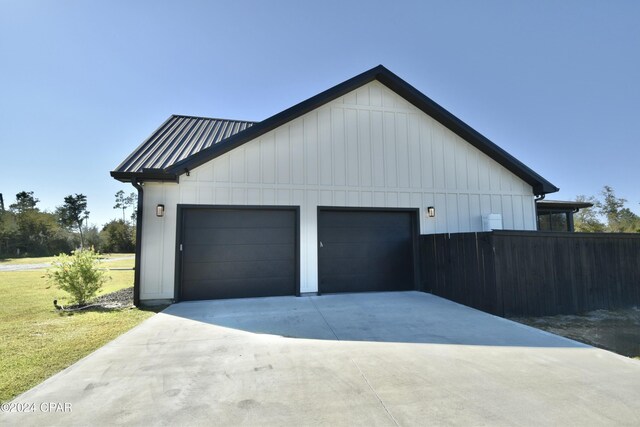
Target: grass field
{"x": 36, "y": 340}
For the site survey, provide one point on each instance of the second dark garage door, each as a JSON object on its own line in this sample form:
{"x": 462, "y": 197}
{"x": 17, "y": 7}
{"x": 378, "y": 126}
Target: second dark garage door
{"x": 238, "y": 252}
{"x": 364, "y": 250}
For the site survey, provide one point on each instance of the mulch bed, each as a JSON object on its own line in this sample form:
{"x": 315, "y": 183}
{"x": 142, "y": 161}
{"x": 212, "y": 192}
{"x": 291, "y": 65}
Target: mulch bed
{"x": 114, "y": 300}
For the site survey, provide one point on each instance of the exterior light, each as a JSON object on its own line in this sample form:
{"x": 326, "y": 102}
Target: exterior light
{"x": 160, "y": 210}
{"x": 431, "y": 211}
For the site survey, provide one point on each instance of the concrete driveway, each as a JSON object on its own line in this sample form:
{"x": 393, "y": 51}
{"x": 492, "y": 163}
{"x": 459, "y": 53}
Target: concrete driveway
{"x": 356, "y": 359}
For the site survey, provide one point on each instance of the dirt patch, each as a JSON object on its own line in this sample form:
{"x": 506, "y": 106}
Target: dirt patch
{"x": 614, "y": 330}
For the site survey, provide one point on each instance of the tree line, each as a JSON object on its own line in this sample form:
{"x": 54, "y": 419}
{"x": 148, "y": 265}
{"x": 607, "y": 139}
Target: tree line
{"x": 26, "y": 230}
{"x": 608, "y": 214}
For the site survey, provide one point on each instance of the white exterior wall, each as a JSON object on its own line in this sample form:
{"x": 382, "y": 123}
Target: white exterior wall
{"x": 369, "y": 148}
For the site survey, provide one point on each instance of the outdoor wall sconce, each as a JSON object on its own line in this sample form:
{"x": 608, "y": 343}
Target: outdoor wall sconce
{"x": 160, "y": 210}
{"x": 431, "y": 211}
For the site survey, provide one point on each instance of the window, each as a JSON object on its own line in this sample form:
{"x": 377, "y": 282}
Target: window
{"x": 554, "y": 221}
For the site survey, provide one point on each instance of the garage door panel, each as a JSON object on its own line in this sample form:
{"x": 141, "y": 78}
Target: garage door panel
{"x": 394, "y": 268}
{"x": 365, "y": 250}
{"x": 364, "y": 234}
{"x": 238, "y": 270}
{"x": 360, "y": 283}
{"x": 228, "y": 253}
{"x": 240, "y": 236}
{"x": 228, "y": 218}
{"x": 364, "y": 265}
{"x": 234, "y": 288}
{"x": 234, "y": 253}
{"x": 375, "y": 219}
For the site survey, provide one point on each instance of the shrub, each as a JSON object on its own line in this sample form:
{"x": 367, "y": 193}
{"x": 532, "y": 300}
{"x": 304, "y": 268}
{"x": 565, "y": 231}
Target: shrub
{"x": 78, "y": 274}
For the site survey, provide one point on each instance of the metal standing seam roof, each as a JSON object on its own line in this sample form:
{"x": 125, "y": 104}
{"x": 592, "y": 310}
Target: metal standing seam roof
{"x": 178, "y": 138}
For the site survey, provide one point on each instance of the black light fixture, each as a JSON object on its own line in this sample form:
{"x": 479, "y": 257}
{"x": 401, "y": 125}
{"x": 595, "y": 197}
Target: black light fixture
{"x": 160, "y": 210}
{"x": 431, "y": 211}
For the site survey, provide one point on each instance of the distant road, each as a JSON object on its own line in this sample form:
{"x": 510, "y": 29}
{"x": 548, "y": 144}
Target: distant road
{"x": 23, "y": 267}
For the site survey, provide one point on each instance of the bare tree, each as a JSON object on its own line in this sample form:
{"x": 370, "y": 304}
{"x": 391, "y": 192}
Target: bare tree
{"x": 74, "y": 213}
{"x": 124, "y": 203}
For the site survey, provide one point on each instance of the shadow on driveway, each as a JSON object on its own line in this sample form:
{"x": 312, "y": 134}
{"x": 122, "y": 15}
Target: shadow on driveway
{"x": 403, "y": 317}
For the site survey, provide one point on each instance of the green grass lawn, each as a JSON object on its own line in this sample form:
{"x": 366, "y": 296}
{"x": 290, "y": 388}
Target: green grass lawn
{"x": 36, "y": 340}
{"x": 121, "y": 263}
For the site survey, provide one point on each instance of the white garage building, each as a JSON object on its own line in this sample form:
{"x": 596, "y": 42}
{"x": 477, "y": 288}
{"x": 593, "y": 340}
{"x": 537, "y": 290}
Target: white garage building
{"x": 329, "y": 195}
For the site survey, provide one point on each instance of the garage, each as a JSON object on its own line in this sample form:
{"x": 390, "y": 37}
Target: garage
{"x": 237, "y": 252}
{"x": 374, "y": 160}
{"x": 366, "y": 250}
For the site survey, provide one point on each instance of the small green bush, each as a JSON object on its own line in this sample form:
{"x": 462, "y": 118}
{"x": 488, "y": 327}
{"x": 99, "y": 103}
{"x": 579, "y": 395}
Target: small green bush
{"x": 78, "y": 274}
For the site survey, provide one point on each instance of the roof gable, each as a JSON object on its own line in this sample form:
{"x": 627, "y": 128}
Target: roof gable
{"x": 387, "y": 78}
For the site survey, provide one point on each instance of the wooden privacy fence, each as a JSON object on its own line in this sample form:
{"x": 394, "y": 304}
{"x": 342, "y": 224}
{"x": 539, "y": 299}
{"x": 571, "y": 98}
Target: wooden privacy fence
{"x": 531, "y": 273}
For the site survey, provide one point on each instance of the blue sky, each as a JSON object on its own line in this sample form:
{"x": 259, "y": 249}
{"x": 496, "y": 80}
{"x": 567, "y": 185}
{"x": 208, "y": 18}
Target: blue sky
{"x": 557, "y": 84}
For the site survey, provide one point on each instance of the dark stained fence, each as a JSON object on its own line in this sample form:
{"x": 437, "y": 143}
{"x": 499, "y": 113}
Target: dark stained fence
{"x": 460, "y": 267}
{"x": 514, "y": 273}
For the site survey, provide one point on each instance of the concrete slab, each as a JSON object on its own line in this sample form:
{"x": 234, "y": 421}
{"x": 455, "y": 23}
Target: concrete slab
{"x": 361, "y": 359}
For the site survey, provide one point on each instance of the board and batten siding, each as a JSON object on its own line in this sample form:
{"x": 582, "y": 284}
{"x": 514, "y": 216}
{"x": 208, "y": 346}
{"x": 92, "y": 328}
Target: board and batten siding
{"x": 368, "y": 148}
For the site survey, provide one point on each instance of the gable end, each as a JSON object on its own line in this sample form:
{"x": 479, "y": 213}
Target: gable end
{"x": 539, "y": 185}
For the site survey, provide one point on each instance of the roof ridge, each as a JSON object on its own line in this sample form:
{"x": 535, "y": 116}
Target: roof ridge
{"x": 400, "y": 87}
{"x": 189, "y": 116}
{"x": 252, "y": 130}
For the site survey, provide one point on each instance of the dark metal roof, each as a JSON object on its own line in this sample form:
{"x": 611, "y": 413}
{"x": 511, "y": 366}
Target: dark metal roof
{"x": 184, "y": 163}
{"x": 177, "y": 139}
{"x": 561, "y": 204}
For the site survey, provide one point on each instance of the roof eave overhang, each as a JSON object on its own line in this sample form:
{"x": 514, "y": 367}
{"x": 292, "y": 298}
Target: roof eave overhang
{"x": 544, "y": 204}
{"x": 144, "y": 176}
{"x": 540, "y": 189}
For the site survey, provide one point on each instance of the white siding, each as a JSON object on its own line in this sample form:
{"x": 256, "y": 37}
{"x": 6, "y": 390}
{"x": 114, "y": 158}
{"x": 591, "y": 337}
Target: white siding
{"x": 369, "y": 148}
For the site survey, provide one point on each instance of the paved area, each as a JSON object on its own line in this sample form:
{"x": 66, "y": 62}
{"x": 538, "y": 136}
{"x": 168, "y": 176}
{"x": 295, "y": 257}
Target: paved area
{"x": 358, "y": 359}
{"x": 25, "y": 267}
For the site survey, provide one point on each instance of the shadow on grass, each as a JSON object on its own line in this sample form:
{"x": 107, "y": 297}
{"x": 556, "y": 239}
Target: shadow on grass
{"x": 102, "y": 309}
{"x": 154, "y": 309}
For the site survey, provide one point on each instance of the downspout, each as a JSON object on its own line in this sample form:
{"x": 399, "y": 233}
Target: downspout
{"x": 570, "y": 225}
{"x": 136, "y": 280}
{"x": 537, "y": 198}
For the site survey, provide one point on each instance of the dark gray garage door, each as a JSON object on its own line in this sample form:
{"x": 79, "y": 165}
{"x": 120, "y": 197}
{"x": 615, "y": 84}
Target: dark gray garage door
{"x": 362, "y": 251}
{"x": 237, "y": 253}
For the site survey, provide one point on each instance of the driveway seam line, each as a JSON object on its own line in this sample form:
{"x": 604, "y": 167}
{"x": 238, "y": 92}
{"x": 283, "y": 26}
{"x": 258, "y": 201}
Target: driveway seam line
{"x": 366, "y": 380}
{"x": 323, "y": 318}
